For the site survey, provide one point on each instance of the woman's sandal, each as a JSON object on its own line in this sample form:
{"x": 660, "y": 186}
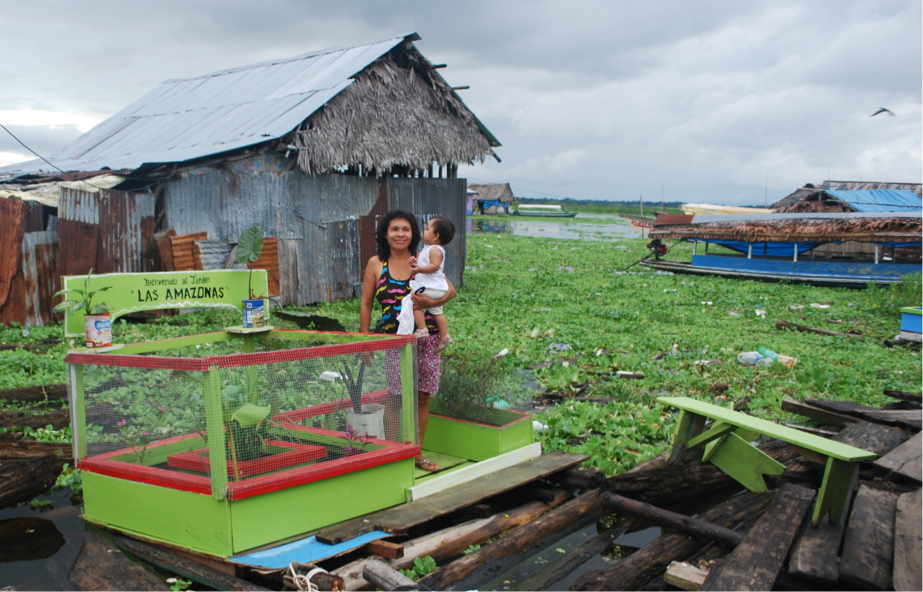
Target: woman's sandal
{"x": 427, "y": 465}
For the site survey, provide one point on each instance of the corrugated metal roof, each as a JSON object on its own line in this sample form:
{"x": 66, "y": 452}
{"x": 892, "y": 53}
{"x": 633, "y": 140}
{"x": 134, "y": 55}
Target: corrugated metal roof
{"x": 710, "y": 218}
{"x": 879, "y": 200}
{"x": 185, "y": 119}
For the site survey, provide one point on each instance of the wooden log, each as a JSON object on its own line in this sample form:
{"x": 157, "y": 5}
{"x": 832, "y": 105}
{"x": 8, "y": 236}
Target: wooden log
{"x": 814, "y": 554}
{"x": 560, "y": 568}
{"x": 183, "y": 567}
{"x": 872, "y": 437}
{"x": 821, "y": 415}
{"x": 455, "y": 539}
{"x": 101, "y": 566}
{"x": 21, "y": 480}
{"x": 652, "y": 559}
{"x": 57, "y": 420}
{"x": 384, "y": 576}
{"x": 907, "y": 548}
{"x": 36, "y": 394}
{"x": 869, "y": 544}
{"x": 401, "y": 518}
{"x": 664, "y": 486}
{"x": 491, "y": 559}
{"x": 908, "y": 418}
{"x": 23, "y": 449}
{"x": 684, "y": 524}
{"x": 756, "y": 562}
{"x": 385, "y": 549}
{"x": 905, "y": 459}
{"x": 581, "y": 478}
{"x": 904, "y": 396}
{"x": 685, "y": 576}
{"x": 797, "y": 327}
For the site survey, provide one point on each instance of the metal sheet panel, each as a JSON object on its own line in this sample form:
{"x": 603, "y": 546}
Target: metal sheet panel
{"x": 428, "y": 198}
{"x": 38, "y": 268}
{"x": 880, "y": 200}
{"x": 186, "y": 119}
{"x": 78, "y": 205}
{"x": 710, "y": 218}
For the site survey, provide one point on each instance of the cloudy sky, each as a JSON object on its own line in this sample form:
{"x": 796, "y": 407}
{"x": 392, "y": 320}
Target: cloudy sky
{"x": 591, "y": 100}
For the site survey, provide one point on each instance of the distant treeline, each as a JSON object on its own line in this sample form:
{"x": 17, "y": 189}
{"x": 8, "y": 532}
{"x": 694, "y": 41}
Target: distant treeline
{"x": 592, "y": 206}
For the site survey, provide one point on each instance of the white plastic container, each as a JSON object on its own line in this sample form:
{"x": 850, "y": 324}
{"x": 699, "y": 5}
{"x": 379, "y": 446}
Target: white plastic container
{"x": 98, "y": 329}
{"x": 753, "y": 359}
{"x": 370, "y": 422}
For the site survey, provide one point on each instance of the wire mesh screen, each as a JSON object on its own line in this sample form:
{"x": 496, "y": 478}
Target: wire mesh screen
{"x": 240, "y": 424}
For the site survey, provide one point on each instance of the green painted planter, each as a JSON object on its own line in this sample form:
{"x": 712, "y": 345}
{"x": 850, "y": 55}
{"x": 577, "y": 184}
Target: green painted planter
{"x": 224, "y": 528}
{"x": 477, "y": 441}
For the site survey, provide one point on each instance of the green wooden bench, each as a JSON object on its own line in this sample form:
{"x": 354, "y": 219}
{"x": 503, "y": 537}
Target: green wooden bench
{"x": 726, "y": 445}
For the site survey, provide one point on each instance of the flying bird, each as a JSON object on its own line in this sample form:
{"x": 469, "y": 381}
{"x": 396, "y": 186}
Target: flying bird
{"x": 882, "y": 110}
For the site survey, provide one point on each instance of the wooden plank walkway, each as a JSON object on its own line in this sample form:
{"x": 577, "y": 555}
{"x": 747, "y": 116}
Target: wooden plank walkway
{"x": 872, "y": 437}
{"x": 907, "y": 547}
{"x": 756, "y": 562}
{"x": 401, "y": 518}
{"x": 905, "y": 418}
{"x": 869, "y": 544}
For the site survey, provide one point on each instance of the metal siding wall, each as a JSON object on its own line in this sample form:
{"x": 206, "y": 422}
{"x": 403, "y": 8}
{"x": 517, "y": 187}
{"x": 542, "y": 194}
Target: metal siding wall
{"x": 428, "y": 198}
{"x": 315, "y": 218}
{"x": 38, "y": 264}
{"x": 118, "y": 215}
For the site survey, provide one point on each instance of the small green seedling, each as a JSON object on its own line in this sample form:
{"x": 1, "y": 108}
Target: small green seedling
{"x": 249, "y": 249}
{"x": 83, "y": 301}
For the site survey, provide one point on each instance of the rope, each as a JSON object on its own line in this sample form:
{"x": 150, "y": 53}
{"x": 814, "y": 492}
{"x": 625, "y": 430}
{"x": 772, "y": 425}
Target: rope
{"x": 303, "y": 583}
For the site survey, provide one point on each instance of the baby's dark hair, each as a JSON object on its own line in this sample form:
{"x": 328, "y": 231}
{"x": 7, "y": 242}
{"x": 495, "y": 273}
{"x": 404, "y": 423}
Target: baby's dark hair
{"x": 444, "y": 228}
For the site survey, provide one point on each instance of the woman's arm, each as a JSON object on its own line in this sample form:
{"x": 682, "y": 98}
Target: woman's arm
{"x": 423, "y": 301}
{"x": 372, "y": 273}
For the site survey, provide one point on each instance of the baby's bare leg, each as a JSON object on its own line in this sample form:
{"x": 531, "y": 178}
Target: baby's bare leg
{"x": 442, "y": 325}
{"x": 419, "y": 319}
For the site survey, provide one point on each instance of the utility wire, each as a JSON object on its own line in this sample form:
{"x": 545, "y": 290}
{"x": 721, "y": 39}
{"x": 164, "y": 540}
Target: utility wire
{"x": 45, "y": 159}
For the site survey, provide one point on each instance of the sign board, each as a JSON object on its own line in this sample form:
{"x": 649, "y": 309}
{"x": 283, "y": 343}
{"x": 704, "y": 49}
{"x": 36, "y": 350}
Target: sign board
{"x": 135, "y": 292}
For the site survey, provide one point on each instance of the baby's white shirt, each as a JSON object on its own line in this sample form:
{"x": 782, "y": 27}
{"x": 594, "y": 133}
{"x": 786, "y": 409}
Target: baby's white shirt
{"x": 435, "y": 280}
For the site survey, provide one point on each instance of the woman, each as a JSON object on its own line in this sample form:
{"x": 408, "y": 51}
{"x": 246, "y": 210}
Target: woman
{"x": 387, "y": 279}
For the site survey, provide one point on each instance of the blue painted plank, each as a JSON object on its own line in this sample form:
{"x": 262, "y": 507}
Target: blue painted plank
{"x": 307, "y": 550}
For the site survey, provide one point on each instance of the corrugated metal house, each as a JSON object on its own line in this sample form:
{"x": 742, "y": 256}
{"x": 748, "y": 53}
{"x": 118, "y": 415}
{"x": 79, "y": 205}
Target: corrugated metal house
{"x": 314, "y": 148}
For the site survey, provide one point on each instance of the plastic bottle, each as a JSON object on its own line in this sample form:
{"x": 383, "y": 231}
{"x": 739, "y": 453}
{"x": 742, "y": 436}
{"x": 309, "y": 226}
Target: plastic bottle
{"x": 753, "y": 359}
{"x": 786, "y": 361}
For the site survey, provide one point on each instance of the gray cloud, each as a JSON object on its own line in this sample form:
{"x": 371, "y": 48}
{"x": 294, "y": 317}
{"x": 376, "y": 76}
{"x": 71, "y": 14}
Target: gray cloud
{"x": 591, "y": 99}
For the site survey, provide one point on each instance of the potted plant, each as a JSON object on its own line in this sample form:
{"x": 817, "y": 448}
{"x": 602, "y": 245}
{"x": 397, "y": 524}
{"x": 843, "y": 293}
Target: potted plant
{"x": 97, "y": 322}
{"x": 249, "y": 249}
{"x": 466, "y": 420}
{"x": 367, "y": 419}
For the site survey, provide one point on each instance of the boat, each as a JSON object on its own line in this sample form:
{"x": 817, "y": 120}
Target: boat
{"x": 884, "y": 246}
{"x": 543, "y": 211}
{"x": 698, "y": 208}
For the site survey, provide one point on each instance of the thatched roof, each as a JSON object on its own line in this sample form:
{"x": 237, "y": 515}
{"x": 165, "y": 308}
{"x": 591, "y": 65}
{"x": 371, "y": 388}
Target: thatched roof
{"x": 794, "y": 229}
{"x": 796, "y": 196}
{"x": 494, "y": 192}
{"x": 398, "y": 112}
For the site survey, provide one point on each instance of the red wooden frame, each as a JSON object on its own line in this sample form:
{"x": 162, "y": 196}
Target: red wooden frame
{"x": 238, "y": 360}
{"x": 104, "y": 464}
{"x": 198, "y": 461}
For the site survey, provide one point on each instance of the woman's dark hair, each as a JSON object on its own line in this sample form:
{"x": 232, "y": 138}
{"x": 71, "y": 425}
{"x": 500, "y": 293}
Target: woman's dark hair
{"x": 444, "y": 228}
{"x": 382, "y": 248}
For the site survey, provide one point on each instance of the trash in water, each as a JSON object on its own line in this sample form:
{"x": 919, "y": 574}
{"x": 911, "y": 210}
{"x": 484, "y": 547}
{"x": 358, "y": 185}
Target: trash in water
{"x": 538, "y": 426}
{"x": 665, "y": 291}
{"x": 753, "y": 359}
{"x": 816, "y": 305}
{"x": 760, "y": 313}
{"x": 707, "y": 303}
{"x": 330, "y": 376}
{"x": 733, "y": 314}
{"x": 558, "y": 347}
{"x": 786, "y": 361}
{"x": 502, "y": 353}
{"x": 793, "y": 307}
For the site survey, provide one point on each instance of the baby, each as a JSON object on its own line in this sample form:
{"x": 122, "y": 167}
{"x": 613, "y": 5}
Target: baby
{"x": 429, "y": 269}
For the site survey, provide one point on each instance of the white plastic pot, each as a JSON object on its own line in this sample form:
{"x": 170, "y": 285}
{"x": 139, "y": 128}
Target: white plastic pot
{"x": 370, "y": 422}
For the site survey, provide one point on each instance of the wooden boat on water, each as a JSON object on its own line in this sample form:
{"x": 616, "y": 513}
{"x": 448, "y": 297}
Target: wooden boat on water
{"x": 543, "y": 211}
{"x": 886, "y": 246}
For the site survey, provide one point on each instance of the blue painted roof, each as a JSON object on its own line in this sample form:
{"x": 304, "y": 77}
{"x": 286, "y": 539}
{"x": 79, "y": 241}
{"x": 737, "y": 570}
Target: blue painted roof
{"x": 879, "y": 200}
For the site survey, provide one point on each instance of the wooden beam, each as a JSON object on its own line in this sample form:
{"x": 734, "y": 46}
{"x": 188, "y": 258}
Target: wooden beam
{"x": 804, "y": 329}
{"x": 905, "y": 418}
{"x": 402, "y": 518}
{"x": 905, "y": 573}
{"x": 491, "y": 559}
{"x": 869, "y": 545}
{"x": 814, "y": 554}
{"x": 905, "y": 459}
{"x": 904, "y": 396}
{"x": 101, "y": 566}
{"x": 816, "y": 413}
{"x": 755, "y": 564}
{"x": 682, "y": 523}
{"x": 456, "y": 539}
{"x": 648, "y": 562}
{"x": 873, "y": 437}
{"x": 385, "y": 577}
{"x": 385, "y": 549}
{"x": 685, "y": 576}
